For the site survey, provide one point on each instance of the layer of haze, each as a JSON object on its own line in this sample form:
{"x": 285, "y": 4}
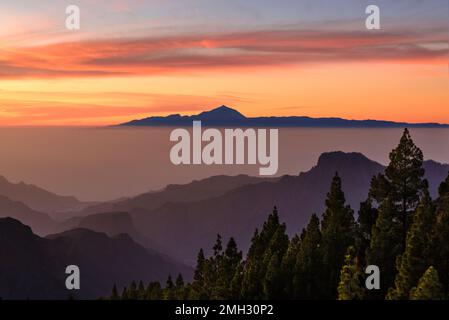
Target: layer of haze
{"x": 109, "y": 163}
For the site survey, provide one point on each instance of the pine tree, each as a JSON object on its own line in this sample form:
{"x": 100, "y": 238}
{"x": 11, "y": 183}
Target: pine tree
{"x": 229, "y": 263}
{"x": 232, "y": 259}
{"x": 154, "y": 291}
{"x": 141, "y": 292}
{"x": 403, "y": 181}
{"x": 416, "y": 258}
{"x": 179, "y": 281}
{"x": 198, "y": 290}
{"x": 440, "y": 237}
{"x": 213, "y": 270}
{"x": 180, "y": 288}
{"x": 385, "y": 246}
{"x": 132, "y": 291}
{"x": 440, "y": 250}
{"x": 169, "y": 290}
{"x": 114, "y": 295}
{"x": 443, "y": 190}
{"x": 429, "y": 287}
{"x": 308, "y": 270}
{"x": 273, "y": 285}
{"x": 251, "y": 285}
{"x": 350, "y": 286}
{"x": 125, "y": 294}
{"x": 338, "y": 230}
{"x": 218, "y": 247}
{"x": 235, "y": 289}
{"x": 288, "y": 268}
{"x": 260, "y": 255}
{"x": 366, "y": 220}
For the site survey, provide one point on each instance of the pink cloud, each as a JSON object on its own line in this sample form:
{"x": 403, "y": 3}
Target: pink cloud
{"x": 205, "y": 52}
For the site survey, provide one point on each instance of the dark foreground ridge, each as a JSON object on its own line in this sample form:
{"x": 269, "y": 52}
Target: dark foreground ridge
{"x": 35, "y": 267}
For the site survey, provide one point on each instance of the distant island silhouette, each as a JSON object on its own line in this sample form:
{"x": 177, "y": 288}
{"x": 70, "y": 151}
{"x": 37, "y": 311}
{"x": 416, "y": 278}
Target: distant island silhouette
{"x": 225, "y": 116}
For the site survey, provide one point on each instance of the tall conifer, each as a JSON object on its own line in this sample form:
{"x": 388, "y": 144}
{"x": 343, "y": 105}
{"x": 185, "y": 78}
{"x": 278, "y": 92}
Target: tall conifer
{"x": 417, "y": 256}
{"x": 338, "y": 229}
{"x": 402, "y": 182}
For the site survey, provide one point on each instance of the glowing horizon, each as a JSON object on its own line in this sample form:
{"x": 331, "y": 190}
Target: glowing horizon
{"x": 134, "y": 59}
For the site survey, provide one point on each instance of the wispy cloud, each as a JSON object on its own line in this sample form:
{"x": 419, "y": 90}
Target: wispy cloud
{"x": 62, "y": 108}
{"x": 197, "y": 53}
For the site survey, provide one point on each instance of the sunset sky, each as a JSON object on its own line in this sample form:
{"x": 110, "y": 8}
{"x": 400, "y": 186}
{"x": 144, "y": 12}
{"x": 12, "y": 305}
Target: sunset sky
{"x": 138, "y": 58}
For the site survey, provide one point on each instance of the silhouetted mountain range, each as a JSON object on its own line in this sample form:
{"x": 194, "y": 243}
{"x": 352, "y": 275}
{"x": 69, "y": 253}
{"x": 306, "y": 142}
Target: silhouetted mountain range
{"x": 196, "y": 190}
{"x": 123, "y": 243}
{"x": 181, "y": 219}
{"x": 225, "y": 116}
{"x": 41, "y": 223}
{"x": 239, "y": 211}
{"x": 34, "y": 267}
{"x": 37, "y": 198}
{"x": 111, "y": 223}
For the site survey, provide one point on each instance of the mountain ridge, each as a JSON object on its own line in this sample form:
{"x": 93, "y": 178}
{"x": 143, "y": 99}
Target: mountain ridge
{"x": 226, "y": 116}
{"x": 229, "y": 205}
{"x": 36, "y": 265}
{"x": 38, "y": 198}
{"x": 40, "y": 222}
{"x": 236, "y": 210}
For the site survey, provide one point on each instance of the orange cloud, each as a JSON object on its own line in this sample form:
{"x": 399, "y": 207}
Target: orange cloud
{"x": 67, "y": 108}
{"x": 196, "y": 53}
